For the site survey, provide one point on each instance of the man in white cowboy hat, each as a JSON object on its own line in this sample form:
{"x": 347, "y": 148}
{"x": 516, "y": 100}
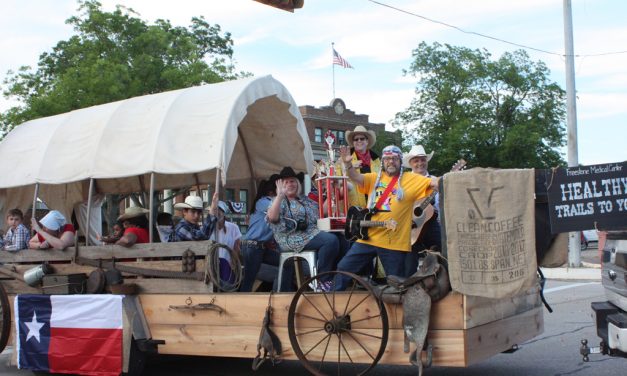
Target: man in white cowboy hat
{"x": 431, "y": 233}
{"x": 364, "y": 160}
{"x": 418, "y": 160}
{"x": 391, "y": 198}
{"x": 188, "y": 228}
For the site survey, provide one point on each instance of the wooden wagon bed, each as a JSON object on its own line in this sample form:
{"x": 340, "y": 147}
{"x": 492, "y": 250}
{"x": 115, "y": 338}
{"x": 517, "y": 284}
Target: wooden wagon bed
{"x": 463, "y": 329}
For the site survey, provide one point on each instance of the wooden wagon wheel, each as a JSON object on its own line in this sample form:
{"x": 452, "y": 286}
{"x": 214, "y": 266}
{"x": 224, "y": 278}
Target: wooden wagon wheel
{"x": 330, "y": 328}
{"x": 5, "y": 318}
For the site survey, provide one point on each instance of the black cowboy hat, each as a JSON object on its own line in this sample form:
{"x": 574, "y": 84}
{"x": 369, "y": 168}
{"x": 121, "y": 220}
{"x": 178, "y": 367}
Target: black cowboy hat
{"x": 288, "y": 172}
{"x": 273, "y": 178}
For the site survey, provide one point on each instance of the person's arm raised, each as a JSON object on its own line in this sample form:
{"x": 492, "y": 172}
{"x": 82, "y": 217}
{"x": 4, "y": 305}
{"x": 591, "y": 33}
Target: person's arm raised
{"x": 274, "y": 211}
{"x": 347, "y": 160}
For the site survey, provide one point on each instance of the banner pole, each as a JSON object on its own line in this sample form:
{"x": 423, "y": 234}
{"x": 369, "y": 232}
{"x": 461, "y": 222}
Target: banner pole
{"x": 333, "y": 65}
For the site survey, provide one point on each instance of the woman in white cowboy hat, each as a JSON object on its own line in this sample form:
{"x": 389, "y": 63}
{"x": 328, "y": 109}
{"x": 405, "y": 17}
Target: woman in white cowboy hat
{"x": 360, "y": 141}
{"x": 135, "y": 224}
{"x": 54, "y": 232}
{"x": 188, "y": 228}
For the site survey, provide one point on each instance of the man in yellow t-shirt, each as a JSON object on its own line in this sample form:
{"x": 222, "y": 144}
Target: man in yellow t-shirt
{"x": 395, "y": 203}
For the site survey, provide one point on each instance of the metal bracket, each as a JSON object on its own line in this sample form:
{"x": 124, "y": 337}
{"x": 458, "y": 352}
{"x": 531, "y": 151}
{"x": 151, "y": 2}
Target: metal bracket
{"x": 586, "y": 350}
{"x": 198, "y": 307}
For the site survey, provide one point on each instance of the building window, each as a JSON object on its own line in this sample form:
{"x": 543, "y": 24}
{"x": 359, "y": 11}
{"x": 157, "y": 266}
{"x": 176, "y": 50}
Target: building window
{"x": 229, "y": 194}
{"x": 318, "y": 135}
{"x": 340, "y": 138}
{"x": 243, "y": 198}
{"x": 205, "y": 196}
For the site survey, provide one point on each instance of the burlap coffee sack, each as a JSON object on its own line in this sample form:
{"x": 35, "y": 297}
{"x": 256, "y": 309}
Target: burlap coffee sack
{"x": 557, "y": 254}
{"x": 490, "y": 231}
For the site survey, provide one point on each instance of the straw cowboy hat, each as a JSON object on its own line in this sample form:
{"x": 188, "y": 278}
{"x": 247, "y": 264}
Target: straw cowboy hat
{"x": 191, "y": 202}
{"x": 132, "y": 212}
{"x": 360, "y": 129}
{"x": 416, "y": 151}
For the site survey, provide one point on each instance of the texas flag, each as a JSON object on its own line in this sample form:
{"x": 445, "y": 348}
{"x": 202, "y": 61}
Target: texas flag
{"x": 79, "y": 334}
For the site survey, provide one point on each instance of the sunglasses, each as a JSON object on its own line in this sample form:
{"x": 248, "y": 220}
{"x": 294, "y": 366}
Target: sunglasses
{"x": 359, "y": 139}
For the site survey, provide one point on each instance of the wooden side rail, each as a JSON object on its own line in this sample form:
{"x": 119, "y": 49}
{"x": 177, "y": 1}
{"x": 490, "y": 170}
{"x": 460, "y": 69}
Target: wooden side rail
{"x": 106, "y": 252}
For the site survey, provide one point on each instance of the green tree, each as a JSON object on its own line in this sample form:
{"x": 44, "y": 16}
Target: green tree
{"x": 385, "y": 138}
{"x": 114, "y": 56}
{"x": 502, "y": 113}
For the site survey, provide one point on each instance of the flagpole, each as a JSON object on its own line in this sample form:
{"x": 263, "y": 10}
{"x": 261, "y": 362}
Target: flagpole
{"x": 333, "y": 66}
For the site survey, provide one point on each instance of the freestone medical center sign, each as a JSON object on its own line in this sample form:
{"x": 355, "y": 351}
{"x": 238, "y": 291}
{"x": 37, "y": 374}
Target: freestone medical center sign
{"x": 587, "y": 197}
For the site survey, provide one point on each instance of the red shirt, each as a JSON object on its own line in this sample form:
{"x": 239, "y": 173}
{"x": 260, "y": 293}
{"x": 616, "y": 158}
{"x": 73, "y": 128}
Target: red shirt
{"x": 65, "y": 228}
{"x": 140, "y": 233}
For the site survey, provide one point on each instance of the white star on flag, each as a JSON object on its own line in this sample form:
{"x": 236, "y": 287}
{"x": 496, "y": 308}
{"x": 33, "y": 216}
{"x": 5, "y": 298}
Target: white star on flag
{"x": 34, "y": 327}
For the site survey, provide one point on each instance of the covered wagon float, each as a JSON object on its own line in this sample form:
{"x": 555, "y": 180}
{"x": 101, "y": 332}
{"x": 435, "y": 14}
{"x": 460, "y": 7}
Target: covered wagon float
{"x": 242, "y": 131}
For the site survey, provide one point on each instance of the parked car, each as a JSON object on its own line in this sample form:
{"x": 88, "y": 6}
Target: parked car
{"x": 587, "y": 237}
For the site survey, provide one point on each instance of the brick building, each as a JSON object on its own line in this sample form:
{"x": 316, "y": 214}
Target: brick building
{"x": 337, "y": 118}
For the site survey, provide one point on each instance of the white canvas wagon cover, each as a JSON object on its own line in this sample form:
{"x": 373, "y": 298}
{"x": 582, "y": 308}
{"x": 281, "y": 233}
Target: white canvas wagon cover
{"x": 249, "y": 128}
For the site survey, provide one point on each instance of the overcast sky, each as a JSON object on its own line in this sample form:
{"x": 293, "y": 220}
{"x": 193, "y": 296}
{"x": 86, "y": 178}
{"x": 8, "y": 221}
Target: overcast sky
{"x": 378, "y": 42}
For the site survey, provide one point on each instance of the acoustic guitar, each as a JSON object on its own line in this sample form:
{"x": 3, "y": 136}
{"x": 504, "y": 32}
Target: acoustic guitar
{"x": 423, "y": 210}
{"x": 358, "y": 221}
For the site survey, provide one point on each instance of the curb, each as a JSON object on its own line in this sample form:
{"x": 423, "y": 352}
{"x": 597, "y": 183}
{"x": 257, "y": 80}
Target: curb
{"x": 573, "y": 274}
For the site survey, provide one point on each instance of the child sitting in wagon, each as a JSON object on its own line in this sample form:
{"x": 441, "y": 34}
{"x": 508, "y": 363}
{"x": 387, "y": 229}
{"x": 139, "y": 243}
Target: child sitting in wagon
{"x": 17, "y": 235}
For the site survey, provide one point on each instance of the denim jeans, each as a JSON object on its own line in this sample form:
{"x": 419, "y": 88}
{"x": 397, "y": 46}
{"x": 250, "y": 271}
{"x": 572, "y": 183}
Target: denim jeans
{"x": 328, "y": 247}
{"x": 253, "y": 258}
{"x": 361, "y": 255}
{"x": 431, "y": 235}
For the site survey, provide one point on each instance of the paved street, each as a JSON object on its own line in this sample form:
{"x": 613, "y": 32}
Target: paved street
{"x": 553, "y": 353}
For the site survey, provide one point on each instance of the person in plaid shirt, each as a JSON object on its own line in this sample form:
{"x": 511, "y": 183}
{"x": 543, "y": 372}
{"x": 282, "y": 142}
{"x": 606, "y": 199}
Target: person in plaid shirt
{"x": 17, "y": 235}
{"x": 188, "y": 229}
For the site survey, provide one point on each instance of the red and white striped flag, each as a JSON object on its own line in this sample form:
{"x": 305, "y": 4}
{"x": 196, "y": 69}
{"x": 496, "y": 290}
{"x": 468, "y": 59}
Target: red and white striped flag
{"x": 337, "y": 59}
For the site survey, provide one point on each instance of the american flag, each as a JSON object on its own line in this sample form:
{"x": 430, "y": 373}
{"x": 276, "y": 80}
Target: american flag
{"x": 337, "y": 59}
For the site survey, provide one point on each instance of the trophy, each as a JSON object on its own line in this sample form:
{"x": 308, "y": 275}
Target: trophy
{"x": 336, "y": 191}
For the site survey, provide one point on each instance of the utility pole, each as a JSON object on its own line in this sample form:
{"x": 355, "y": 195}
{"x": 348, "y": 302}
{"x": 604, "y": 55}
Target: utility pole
{"x": 574, "y": 238}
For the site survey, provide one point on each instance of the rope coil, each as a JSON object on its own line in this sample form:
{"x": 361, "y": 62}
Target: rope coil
{"x": 212, "y": 268}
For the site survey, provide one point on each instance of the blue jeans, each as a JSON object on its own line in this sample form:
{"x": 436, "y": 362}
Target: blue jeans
{"x": 253, "y": 258}
{"x": 361, "y": 255}
{"x": 328, "y": 247}
{"x": 431, "y": 236}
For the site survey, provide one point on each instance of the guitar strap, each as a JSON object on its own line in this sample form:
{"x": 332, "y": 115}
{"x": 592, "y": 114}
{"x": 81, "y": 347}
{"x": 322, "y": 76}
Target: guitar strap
{"x": 386, "y": 193}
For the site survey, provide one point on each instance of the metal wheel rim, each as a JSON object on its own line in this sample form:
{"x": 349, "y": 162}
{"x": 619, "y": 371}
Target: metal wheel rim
{"x": 328, "y": 324}
{"x": 5, "y": 318}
